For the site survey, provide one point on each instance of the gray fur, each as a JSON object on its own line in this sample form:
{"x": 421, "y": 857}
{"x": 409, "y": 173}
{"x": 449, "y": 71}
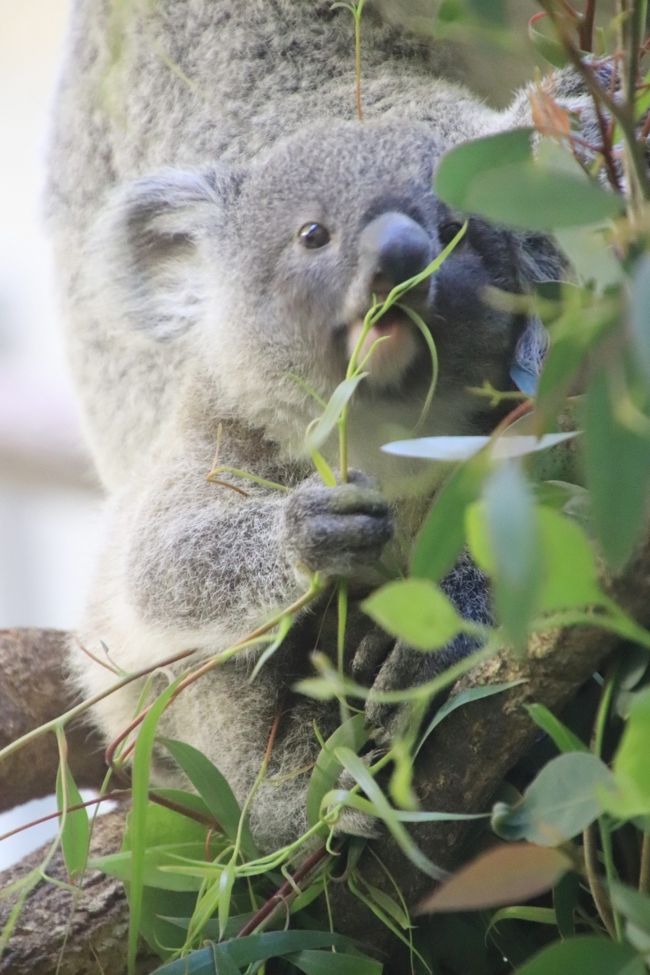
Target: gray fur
{"x": 193, "y": 140}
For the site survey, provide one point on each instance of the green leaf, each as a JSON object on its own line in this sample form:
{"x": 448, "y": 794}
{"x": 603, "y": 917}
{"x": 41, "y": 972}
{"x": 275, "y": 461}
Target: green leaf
{"x": 513, "y": 535}
{"x": 416, "y": 611}
{"x": 256, "y": 948}
{"x": 639, "y": 314}
{"x": 562, "y": 737}
{"x": 633, "y": 905}
{"x": 631, "y": 766}
{"x": 453, "y": 449}
{"x": 154, "y": 859}
{"x": 560, "y": 803}
{"x": 569, "y": 571}
{"x": 138, "y": 817}
{"x": 512, "y": 872}
{"x": 351, "y": 734}
{"x": 213, "y": 789}
{"x": 586, "y": 954}
{"x": 320, "y": 431}
{"x": 442, "y": 535}
{"x": 536, "y": 915}
{"x": 75, "y": 831}
{"x": 546, "y": 43}
{"x": 498, "y": 177}
{"x": 329, "y": 963}
{"x": 618, "y": 469}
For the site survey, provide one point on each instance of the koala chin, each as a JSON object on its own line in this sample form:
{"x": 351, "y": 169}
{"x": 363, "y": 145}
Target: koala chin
{"x": 221, "y": 230}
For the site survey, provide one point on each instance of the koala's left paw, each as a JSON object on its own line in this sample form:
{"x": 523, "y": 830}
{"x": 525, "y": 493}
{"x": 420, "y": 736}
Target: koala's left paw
{"x": 400, "y": 667}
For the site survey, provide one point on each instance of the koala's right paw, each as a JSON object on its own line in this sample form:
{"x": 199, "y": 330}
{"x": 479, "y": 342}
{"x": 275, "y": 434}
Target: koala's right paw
{"x": 339, "y": 531}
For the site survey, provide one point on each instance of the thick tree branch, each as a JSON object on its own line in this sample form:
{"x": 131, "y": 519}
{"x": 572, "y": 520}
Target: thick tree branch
{"x": 34, "y": 690}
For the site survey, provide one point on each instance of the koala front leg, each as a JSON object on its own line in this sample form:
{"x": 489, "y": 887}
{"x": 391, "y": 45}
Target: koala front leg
{"x": 212, "y": 565}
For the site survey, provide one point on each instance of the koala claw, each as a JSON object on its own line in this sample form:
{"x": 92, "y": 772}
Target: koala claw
{"x": 339, "y": 531}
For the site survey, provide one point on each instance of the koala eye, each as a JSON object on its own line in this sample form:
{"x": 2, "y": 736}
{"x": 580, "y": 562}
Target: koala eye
{"x": 313, "y": 236}
{"x": 447, "y": 231}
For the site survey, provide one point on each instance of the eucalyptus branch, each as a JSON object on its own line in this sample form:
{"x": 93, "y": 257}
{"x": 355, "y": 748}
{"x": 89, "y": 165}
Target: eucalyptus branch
{"x": 637, "y": 175}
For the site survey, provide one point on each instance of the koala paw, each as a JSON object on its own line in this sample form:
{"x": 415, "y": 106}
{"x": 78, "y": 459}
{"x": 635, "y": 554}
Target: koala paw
{"x": 339, "y": 531}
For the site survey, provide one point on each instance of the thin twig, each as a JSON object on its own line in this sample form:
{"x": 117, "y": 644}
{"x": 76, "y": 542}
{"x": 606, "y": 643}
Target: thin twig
{"x": 590, "y": 847}
{"x": 644, "y": 867}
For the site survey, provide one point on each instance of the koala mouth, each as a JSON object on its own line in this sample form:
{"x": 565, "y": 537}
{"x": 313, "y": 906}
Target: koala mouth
{"x": 388, "y": 360}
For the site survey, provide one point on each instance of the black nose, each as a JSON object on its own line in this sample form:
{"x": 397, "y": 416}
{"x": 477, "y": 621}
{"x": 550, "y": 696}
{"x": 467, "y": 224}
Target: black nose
{"x": 396, "y": 249}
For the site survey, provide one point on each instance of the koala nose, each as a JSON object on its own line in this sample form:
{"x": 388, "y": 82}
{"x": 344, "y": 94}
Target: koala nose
{"x": 395, "y": 248}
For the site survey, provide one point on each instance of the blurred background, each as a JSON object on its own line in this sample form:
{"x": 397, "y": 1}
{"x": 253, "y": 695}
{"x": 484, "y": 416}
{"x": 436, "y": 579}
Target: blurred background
{"x": 48, "y": 502}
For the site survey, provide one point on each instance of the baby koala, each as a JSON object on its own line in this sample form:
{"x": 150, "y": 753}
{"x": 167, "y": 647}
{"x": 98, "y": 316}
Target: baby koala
{"x": 262, "y": 274}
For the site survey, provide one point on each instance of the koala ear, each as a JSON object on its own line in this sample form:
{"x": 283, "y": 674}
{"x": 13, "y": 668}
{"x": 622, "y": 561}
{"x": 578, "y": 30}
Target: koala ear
{"x": 147, "y": 248}
{"x": 539, "y": 260}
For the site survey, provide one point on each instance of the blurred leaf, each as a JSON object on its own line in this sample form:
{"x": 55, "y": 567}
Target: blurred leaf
{"x": 213, "y": 789}
{"x": 569, "y": 572}
{"x": 566, "y": 899}
{"x": 493, "y": 12}
{"x": 586, "y": 954}
{"x": 513, "y": 872}
{"x": 416, "y": 611}
{"x": 454, "y": 449}
{"x": 631, "y": 766}
{"x": 513, "y": 533}
{"x": 75, "y": 834}
{"x": 167, "y": 826}
{"x": 120, "y": 865}
{"x": 330, "y": 963}
{"x": 634, "y": 906}
{"x": 441, "y": 538}
{"x": 545, "y": 42}
{"x": 618, "y": 469}
{"x": 351, "y": 734}
{"x": 138, "y": 817}
{"x": 255, "y": 948}
{"x": 562, "y": 737}
{"x": 591, "y": 255}
{"x": 536, "y": 915}
{"x": 560, "y": 803}
{"x": 498, "y": 177}
{"x": 639, "y": 314}
{"x": 226, "y": 883}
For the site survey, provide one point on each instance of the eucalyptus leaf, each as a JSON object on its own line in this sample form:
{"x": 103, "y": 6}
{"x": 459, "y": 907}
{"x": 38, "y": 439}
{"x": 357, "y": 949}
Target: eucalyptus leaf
{"x": 561, "y": 801}
{"x": 631, "y": 795}
{"x": 213, "y": 789}
{"x": 585, "y": 954}
{"x": 454, "y": 449}
{"x": 618, "y": 470}
{"x": 416, "y": 611}
{"x": 320, "y": 431}
{"x": 562, "y": 737}
{"x": 328, "y": 963}
{"x": 639, "y": 314}
{"x": 442, "y": 535}
{"x": 75, "y": 830}
{"x": 351, "y": 734}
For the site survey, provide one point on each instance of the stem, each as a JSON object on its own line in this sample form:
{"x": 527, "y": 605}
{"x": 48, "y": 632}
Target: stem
{"x": 598, "y": 740}
{"x": 593, "y": 878}
{"x": 644, "y": 868}
{"x": 587, "y": 26}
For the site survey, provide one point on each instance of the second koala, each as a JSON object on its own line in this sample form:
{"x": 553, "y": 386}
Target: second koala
{"x": 261, "y": 274}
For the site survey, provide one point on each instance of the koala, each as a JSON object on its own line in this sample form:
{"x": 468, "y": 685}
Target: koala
{"x": 222, "y": 221}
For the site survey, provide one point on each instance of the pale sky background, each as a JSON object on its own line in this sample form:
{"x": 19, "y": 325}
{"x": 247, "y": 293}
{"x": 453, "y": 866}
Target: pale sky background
{"x": 48, "y": 528}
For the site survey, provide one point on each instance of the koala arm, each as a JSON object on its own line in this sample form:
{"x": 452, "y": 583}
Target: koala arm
{"x": 212, "y": 564}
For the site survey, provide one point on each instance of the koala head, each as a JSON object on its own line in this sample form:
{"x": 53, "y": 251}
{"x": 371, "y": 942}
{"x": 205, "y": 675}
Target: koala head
{"x": 267, "y": 271}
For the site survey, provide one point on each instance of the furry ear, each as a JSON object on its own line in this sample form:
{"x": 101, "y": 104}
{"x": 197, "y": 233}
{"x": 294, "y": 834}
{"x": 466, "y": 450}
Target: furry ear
{"x": 539, "y": 260}
{"x": 148, "y": 260}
